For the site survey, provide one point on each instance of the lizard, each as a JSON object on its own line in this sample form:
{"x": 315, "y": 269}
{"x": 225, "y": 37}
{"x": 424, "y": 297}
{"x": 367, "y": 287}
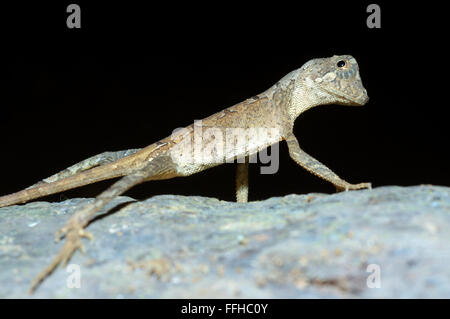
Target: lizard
{"x": 321, "y": 81}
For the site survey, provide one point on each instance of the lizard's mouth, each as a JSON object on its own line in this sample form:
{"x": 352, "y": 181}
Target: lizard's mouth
{"x": 359, "y": 100}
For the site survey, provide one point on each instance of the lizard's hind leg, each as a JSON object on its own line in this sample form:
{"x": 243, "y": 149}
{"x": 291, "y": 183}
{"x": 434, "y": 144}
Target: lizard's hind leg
{"x": 91, "y": 162}
{"x": 74, "y": 229}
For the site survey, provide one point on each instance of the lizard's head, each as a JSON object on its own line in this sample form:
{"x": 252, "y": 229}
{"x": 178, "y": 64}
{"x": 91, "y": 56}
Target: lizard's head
{"x": 336, "y": 80}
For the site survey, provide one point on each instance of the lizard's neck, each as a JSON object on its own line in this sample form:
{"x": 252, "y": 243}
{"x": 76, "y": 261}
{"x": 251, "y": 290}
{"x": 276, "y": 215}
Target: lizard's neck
{"x": 304, "y": 96}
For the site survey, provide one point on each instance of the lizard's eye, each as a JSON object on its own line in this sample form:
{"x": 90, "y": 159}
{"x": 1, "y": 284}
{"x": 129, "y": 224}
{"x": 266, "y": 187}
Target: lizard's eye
{"x": 341, "y": 64}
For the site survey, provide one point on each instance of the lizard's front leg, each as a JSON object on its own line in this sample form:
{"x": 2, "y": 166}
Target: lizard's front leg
{"x": 315, "y": 167}
{"x": 242, "y": 182}
{"x": 74, "y": 229}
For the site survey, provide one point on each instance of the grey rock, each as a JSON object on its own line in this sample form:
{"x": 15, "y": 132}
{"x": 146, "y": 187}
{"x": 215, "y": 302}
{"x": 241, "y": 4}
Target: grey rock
{"x": 297, "y": 246}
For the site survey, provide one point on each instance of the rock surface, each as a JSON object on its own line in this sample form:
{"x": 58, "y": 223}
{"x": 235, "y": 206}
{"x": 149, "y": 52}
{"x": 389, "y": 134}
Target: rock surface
{"x": 297, "y": 246}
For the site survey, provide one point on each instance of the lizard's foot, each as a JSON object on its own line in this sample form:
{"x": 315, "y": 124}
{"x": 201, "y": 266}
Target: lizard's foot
{"x": 72, "y": 227}
{"x": 73, "y": 234}
{"x": 347, "y": 186}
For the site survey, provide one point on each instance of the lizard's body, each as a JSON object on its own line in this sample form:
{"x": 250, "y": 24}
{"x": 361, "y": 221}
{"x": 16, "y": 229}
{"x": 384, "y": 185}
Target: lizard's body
{"x": 332, "y": 80}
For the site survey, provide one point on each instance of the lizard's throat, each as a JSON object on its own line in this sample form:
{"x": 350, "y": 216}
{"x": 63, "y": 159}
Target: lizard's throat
{"x": 304, "y": 97}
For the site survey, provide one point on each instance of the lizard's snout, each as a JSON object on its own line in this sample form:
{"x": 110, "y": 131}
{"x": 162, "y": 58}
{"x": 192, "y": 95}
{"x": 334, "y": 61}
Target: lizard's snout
{"x": 364, "y": 98}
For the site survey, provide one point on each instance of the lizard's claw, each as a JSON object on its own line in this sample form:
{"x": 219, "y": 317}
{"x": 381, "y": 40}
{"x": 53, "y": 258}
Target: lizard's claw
{"x": 73, "y": 234}
{"x": 347, "y": 186}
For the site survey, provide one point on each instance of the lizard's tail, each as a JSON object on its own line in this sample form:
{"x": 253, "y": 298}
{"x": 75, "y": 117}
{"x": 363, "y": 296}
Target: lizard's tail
{"x": 93, "y": 175}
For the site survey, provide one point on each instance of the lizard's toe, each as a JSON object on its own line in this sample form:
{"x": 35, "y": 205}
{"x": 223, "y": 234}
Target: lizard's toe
{"x": 349, "y": 186}
{"x": 85, "y": 234}
{"x": 364, "y": 185}
{"x": 360, "y": 186}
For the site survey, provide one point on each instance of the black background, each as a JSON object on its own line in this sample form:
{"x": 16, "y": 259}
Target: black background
{"x": 133, "y": 73}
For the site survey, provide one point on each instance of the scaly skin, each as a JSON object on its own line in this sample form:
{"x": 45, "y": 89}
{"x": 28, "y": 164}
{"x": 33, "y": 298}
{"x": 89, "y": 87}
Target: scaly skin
{"x": 333, "y": 80}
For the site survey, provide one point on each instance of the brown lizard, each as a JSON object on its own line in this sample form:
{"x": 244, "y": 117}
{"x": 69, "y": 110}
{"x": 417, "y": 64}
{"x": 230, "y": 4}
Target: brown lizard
{"x": 333, "y": 80}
